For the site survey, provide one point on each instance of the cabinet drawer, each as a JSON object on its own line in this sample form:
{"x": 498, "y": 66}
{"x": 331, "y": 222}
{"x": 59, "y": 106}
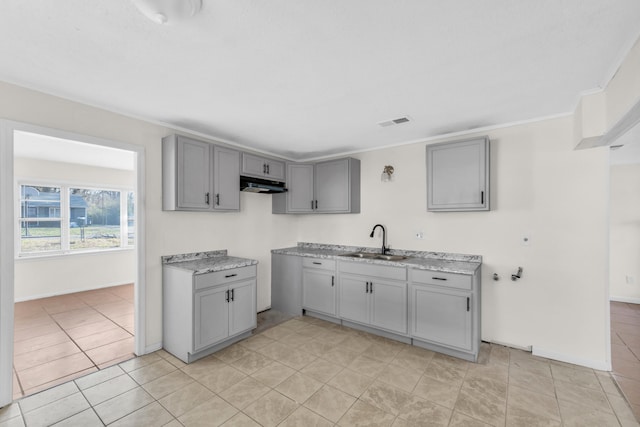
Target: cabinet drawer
{"x": 325, "y": 264}
{"x": 374, "y": 270}
{"x": 224, "y": 276}
{"x": 438, "y": 278}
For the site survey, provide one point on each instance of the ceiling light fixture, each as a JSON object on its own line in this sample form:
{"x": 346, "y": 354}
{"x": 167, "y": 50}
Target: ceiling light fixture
{"x": 168, "y": 11}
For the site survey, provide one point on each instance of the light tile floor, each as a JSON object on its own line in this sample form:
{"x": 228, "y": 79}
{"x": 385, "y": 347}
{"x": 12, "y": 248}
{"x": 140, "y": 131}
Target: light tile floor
{"x": 625, "y": 350}
{"x": 61, "y": 338}
{"x": 307, "y": 372}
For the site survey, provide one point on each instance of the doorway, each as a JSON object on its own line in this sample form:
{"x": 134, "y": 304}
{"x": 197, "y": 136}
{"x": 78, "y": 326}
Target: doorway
{"x": 69, "y": 242}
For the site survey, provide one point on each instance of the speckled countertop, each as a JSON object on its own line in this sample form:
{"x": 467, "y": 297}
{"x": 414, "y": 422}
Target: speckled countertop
{"x": 435, "y": 261}
{"x": 206, "y": 262}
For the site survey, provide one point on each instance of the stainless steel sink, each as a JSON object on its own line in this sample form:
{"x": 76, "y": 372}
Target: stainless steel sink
{"x": 361, "y": 255}
{"x": 369, "y": 255}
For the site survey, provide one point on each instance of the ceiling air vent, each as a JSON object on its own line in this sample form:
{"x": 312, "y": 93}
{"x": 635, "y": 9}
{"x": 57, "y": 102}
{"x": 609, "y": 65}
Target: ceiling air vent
{"x": 397, "y": 121}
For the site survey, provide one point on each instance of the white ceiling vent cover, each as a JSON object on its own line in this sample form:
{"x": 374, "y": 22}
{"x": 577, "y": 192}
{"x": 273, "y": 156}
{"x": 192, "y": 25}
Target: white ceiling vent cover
{"x": 397, "y": 121}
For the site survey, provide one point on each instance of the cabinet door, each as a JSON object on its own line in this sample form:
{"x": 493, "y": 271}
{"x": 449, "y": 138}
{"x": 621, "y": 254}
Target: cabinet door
{"x": 226, "y": 180}
{"x": 253, "y": 165}
{"x": 275, "y": 170}
{"x": 242, "y": 307}
{"x": 319, "y": 291}
{"x": 332, "y": 187}
{"x": 458, "y": 176}
{"x": 354, "y": 299}
{"x": 441, "y": 316}
{"x": 211, "y": 317}
{"x": 300, "y": 188}
{"x": 389, "y": 305}
{"x": 194, "y": 174}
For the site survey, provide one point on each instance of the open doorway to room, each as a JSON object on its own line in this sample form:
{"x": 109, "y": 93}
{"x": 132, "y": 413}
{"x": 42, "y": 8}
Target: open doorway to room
{"x": 76, "y": 260}
{"x": 624, "y": 270}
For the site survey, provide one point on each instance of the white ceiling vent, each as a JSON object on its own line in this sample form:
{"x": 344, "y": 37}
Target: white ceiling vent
{"x": 397, "y": 121}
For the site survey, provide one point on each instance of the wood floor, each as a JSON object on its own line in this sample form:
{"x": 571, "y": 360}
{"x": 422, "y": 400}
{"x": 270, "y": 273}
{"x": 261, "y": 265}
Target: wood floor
{"x": 625, "y": 351}
{"x": 61, "y": 338}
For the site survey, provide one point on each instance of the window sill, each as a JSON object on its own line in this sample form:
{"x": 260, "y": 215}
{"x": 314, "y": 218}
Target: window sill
{"x": 65, "y": 254}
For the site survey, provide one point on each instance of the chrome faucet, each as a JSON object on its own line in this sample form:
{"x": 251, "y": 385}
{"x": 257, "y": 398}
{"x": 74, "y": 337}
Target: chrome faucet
{"x": 384, "y": 237}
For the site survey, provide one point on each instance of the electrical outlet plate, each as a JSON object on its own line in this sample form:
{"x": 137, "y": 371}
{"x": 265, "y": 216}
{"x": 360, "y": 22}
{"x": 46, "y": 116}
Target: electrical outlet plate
{"x": 419, "y": 235}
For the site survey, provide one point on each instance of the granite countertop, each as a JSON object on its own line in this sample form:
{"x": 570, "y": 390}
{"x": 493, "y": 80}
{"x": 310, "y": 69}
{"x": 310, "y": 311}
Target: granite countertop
{"x": 435, "y": 261}
{"x": 206, "y": 262}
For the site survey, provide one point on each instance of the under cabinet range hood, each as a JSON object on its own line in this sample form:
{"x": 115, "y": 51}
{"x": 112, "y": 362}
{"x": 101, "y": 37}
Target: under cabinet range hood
{"x": 258, "y": 185}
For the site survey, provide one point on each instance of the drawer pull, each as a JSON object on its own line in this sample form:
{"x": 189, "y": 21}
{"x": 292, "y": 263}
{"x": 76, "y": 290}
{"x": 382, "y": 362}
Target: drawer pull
{"x": 230, "y": 275}
{"x": 439, "y": 278}
{"x": 317, "y": 263}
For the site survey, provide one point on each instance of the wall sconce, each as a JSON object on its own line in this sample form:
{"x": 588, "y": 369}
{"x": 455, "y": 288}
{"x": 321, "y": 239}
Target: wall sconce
{"x": 168, "y": 11}
{"x": 386, "y": 174}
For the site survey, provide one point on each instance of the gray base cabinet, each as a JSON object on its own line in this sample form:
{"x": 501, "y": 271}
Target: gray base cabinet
{"x": 369, "y": 295}
{"x": 458, "y": 175}
{"x": 286, "y": 289}
{"x": 204, "y": 313}
{"x": 445, "y": 312}
{"x": 319, "y": 286}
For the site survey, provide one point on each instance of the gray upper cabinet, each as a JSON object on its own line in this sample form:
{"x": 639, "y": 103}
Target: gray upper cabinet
{"x": 186, "y": 174}
{"x": 226, "y": 179}
{"x": 335, "y": 183}
{"x": 324, "y": 187}
{"x": 458, "y": 175}
{"x": 199, "y": 176}
{"x": 299, "y": 197}
{"x": 261, "y": 167}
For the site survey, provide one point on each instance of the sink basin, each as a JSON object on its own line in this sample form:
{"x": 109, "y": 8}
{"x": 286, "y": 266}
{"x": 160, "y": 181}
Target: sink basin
{"x": 361, "y": 255}
{"x": 391, "y": 257}
{"x": 369, "y": 255}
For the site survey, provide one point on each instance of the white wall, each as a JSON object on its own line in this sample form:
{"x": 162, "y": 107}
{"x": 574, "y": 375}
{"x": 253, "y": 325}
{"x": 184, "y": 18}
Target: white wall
{"x": 541, "y": 187}
{"x": 40, "y": 277}
{"x": 251, "y": 233}
{"x": 625, "y": 233}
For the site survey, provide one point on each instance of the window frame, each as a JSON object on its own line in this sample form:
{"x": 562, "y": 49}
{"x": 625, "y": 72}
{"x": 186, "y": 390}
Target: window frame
{"x": 65, "y": 217}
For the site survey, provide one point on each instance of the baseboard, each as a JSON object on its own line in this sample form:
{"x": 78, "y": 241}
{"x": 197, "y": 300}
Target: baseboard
{"x": 151, "y": 348}
{"x": 71, "y": 291}
{"x": 600, "y": 365}
{"x": 631, "y": 300}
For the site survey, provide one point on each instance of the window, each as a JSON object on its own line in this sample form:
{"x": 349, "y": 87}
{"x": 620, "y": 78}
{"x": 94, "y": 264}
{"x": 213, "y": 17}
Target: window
{"x": 66, "y": 219}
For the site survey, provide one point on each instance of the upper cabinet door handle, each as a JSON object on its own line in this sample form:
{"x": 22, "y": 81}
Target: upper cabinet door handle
{"x": 482, "y": 197}
{"x": 206, "y": 198}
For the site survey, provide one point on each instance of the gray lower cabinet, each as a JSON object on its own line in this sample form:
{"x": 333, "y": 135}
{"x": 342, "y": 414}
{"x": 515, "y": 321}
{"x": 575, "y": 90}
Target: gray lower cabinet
{"x": 204, "y": 313}
{"x": 319, "y": 286}
{"x": 286, "y": 277}
{"x": 324, "y": 187}
{"x": 458, "y": 175}
{"x": 374, "y": 295}
{"x": 445, "y": 312}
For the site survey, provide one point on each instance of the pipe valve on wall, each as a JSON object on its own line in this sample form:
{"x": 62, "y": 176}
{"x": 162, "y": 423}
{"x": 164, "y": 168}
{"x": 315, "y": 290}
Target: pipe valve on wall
{"x": 517, "y": 275}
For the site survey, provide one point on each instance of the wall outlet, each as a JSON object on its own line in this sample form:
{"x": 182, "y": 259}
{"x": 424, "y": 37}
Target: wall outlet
{"x": 419, "y": 235}
{"x": 631, "y": 280}
{"x": 525, "y": 239}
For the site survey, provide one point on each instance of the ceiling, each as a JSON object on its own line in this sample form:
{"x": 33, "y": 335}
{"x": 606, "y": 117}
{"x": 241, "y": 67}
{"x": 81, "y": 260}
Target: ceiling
{"x": 44, "y": 147}
{"x": 310, "y": 79}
